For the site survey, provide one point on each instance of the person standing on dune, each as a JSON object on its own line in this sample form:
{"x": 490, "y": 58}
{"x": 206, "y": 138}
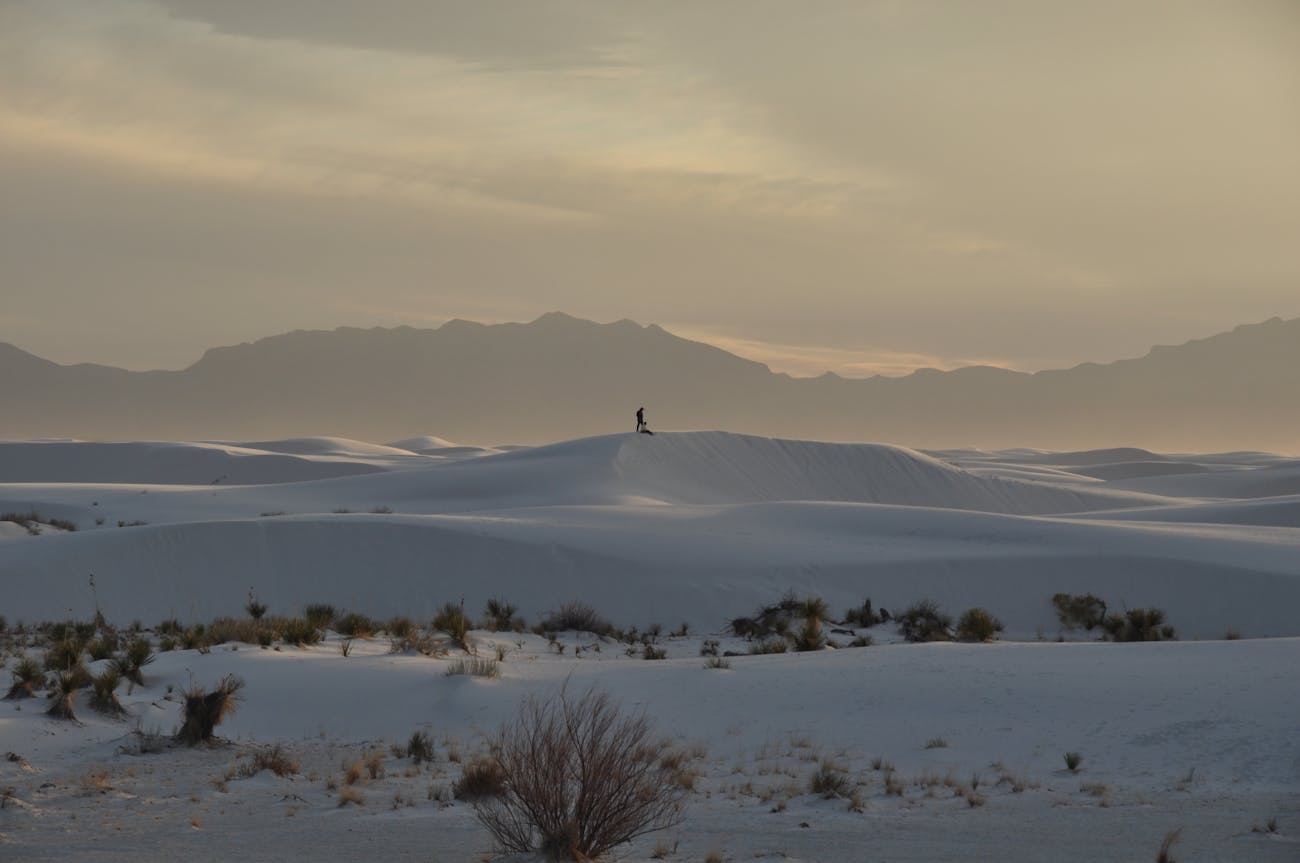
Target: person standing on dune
{"x": 640, "y": 418}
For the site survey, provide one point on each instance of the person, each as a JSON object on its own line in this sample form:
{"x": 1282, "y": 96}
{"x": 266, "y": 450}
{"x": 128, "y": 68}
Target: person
{"x": 640, "y": 418}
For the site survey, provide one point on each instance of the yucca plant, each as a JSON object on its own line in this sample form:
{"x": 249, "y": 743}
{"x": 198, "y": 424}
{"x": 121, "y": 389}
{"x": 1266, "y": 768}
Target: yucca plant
{"x": 27, "y": 678}
{"x": 65, "y": 687}
{"x": 105, "y": 698}
{"x": 203, "y": 711}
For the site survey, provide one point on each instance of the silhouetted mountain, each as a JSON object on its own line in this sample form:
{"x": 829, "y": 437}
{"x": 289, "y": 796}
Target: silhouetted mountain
{"x": 560, "y": 377}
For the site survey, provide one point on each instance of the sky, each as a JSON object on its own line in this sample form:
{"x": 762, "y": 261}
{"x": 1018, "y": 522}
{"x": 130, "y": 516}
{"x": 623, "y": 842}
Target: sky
{"x": 862, "y": 187}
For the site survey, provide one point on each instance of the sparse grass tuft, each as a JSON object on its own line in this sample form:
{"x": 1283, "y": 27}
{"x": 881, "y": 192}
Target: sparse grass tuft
{"x": 830, "y": 781}
{"x": 936, "y": 743}
{"x": 481, "y": 778}
{"x": 320, "y": 615}
{"x": 923, "y": 621}
{"x": 577, "y": 616}
{"x": 419, "y": 748}
{"x": 27, "y": 678}
{"x": 474, "y": 667}
{"x": 716, "y": 662}
{"x": 771, "y": 645}
{"x": 499, "y": 616}
{"x": 1072, "y": 761}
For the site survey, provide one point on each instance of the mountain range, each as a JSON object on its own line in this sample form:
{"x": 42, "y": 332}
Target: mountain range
{"x": 561, "y": 377}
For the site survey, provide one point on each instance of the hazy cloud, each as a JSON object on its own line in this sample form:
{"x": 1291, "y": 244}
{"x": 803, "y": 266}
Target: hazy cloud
{"x": 1039, "y": 183}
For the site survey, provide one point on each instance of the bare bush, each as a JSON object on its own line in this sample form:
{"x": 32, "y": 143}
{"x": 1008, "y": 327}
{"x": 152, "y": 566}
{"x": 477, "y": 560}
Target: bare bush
{"x": 1079, "y": 610}
{"x": 579, "y": 617}
{"x": 923, "y": 621}
{"x": 976, "y": 624}
{"x": 579, "y": 777}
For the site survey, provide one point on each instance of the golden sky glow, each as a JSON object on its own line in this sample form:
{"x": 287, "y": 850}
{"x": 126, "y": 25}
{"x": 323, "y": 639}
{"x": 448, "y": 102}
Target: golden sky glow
{"x": 857, "y": 186}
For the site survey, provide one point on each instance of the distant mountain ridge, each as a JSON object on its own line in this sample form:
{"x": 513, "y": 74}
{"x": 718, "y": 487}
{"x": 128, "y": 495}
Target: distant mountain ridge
{"x": 561, "y": 377}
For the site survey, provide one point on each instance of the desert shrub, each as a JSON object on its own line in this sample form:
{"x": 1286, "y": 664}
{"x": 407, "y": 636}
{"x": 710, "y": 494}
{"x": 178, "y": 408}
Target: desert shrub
{"x": 830, "y": 782}
{"x": 103, "y": 646}
{"x": 710, "y": 647}
{"x": 196, "y": 638}
{"x": 577, "y": 616}
{"x": 861, "y": 641}
{"x": 299, "y": 631}
{"x": 320, "y": 615}
{"x": 1072, "y": 761}
{"x": 771, "y": 645}
{"x": 254, "y": 608}
{"x": 499, "y": 616}
{"x": 63, "y": 654}
{"x": 716, "y": 662}
{"x": 105, "y": 699}
{"x": 745, "y": 627}
{"x": 274, "y": 759}
{"x": 1079, "y": 611}
{"x": 579, "y": 777}
{"x": 355, "y": 625}
{"x": 923, "y": 621}
{"x": 1139, "y": 624}
{"x": 481, "y": 778}
{"x": 27, "y": 678}
{"x": 810, "y": 635}
{"x": 170, "y": 626}
{"x": 474, "y": 667}
{"x": 451, "y": 619}
{"x": 202, "y": 712}
{"x": 862, "y": 615}
{"x": 399, "y": 627}
{"x": 419, "y": 748}
{"x": 166, "y": 644}
{"x": 976, "y": 624}
{"x": 649, "y": 651}
{"x": 64, "y": 690}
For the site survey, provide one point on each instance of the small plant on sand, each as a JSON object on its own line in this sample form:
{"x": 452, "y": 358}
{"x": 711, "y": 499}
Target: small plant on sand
{"x": 579, "y": 617}
{"x": 65, "y": 688}
{"x": 274, "y": 759}
{"x": 579, "y": 777}
{"x": 499, "y": 616}
{"x": 1072, "y": 761}
{"x": 1139, "y": 624}
{"x": 134, "y": 657}
{"x": 830, "y": 781}
{"x": 451, "y": 619}
{"x": 923, "y": 621}
{"x": 355, "y": 625}
{"x": 474, "y": 667}
{"x": 254, "y": 608}
{"x": 202, "y": 711}
{"x": 771, "y": 645}
{"x": 936, "y": 743}
{"x": 419, "y": 748}
{"x": 480, "y": 778}
{"x": 320, "y": 615}
{"x": 105, "y": 698}
{"x": 1079, "y": 611}
{"x": 862, "y": 615}
{"x": 299, "y": 631}
{"x": 716, "y": 662}
{"x": 976, "y": 624}
{"x": 27, "y": 678}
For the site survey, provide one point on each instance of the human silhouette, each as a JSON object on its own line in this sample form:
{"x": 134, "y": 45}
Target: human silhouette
{"x": 640, "y": 418}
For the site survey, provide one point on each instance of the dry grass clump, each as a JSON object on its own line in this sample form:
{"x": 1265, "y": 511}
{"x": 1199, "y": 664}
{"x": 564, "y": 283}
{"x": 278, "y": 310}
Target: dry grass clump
{"x": 474, "y": 666}
{"x": 1072, "y": 761}
{"x": 579, "y": 777}
{"x": 923, "y": 621}
{"x": 131, "y": 661}
{"x": 480, "y": 778}
{"x": 577, "y": 616}
{"x": 351, "y": 794}
{"x": 830, "y": 781}
{"x": 936, "y": 743}
{"x": 27, "y": 678}
{"x": 499, "y": 616}
{"x": 274, "y": 759}
{"x": 419, "y": 748}
{"x": 202, "y": 711}
{"x": 355, "y": 625}
{"x": 320, "y": 615}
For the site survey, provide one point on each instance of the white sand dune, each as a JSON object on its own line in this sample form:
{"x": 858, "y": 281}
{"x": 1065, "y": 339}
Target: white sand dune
{"x": 692, "y": 528}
